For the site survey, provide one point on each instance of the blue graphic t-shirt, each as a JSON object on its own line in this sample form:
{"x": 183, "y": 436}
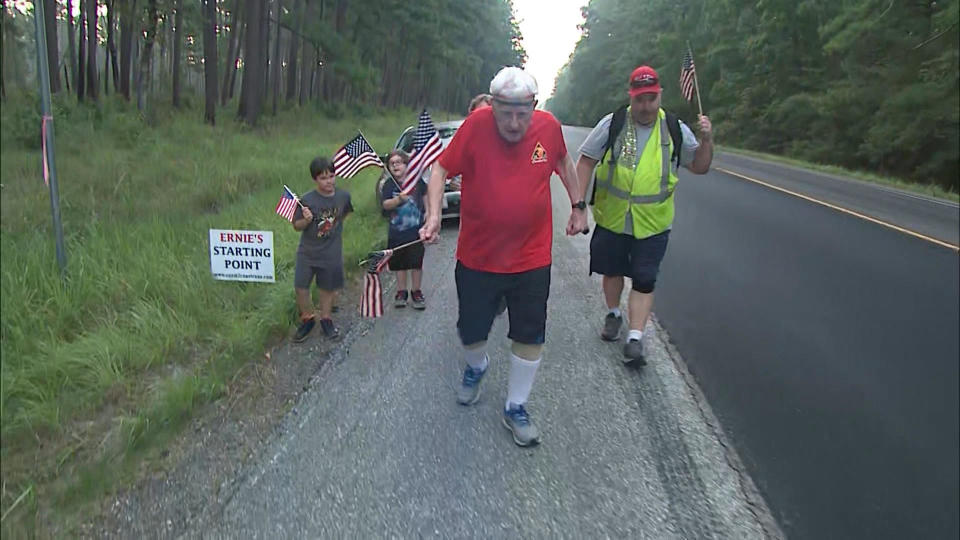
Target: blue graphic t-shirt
{"x": 406, "y": 219}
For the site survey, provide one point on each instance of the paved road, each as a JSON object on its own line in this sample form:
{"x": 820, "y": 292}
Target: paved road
{"x": 925, "y": 215}
{"x": 379, "y": 447}
{"x": 827, "y": 345}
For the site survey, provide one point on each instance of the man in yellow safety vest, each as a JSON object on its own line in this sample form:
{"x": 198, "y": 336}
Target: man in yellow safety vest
{"x": 639, "y": 149}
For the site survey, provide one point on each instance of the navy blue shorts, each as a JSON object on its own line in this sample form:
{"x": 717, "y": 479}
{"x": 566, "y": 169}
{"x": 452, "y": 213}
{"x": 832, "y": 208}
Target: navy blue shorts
{"x": 613, "y": 254}
{"x": 479, "y": 295}
{"x": 328, "y": 279}
{"x": 408, "y": 258}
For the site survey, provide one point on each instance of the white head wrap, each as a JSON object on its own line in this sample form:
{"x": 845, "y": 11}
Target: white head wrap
{"x": 513, "y": 84}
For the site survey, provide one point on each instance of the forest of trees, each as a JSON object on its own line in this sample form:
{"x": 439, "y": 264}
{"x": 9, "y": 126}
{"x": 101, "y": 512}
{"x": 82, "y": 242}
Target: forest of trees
{"x": 263, "y": 54}
{"x": 867, "y": 84}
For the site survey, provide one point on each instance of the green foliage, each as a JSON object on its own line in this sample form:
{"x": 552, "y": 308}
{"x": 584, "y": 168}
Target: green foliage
{"x": 864, "y": 84}
{"x": 119, "y": 355}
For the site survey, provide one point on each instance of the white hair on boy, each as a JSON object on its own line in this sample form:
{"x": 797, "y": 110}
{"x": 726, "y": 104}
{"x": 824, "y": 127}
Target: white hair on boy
{"x": 512, "y": 84}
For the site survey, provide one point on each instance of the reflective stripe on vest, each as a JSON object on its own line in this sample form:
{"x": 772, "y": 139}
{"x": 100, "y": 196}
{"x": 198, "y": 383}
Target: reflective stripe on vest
{"x": 664, "y": 192}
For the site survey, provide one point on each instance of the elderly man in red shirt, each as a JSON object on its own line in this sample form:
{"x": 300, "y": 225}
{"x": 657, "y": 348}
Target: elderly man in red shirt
{"x": 505, "y": 155}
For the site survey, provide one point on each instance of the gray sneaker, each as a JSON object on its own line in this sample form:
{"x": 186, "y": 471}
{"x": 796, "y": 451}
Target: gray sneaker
{"x": 469, "y": 391}
{"x": 417, "y": 300}
{"x": 611, "y": 327}
{"x": 518, "y": 422}
{"x": 633, "y": 353}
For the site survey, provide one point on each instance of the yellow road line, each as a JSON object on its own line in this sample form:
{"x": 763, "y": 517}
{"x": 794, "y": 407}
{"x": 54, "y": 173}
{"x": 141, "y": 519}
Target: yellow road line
{"x": 844, "y": 210}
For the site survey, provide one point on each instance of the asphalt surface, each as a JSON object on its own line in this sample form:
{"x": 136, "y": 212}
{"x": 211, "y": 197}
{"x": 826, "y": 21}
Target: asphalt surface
{"x": 827, "y": 345}
{"x": 922, "y": 214}
{"x": 378, "y": 447}
{"x": 826, "y": 348}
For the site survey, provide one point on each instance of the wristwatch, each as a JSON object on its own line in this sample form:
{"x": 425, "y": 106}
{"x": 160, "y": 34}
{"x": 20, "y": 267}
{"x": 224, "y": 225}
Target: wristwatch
{"x": 581, "y": 205}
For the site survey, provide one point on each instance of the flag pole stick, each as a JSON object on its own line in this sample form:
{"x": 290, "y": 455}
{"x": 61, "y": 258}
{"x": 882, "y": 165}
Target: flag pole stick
{"x": 46, "y": 132}
{"x": 696, "y": 85}
{"x": 408, "y": 244}
{"x": 382, "y": 164}
{"x": 294, "y": 196}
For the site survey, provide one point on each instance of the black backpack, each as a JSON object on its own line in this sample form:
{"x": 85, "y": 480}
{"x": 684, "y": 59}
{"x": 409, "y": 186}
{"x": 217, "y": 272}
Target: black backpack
{"x": 616, "y": 126}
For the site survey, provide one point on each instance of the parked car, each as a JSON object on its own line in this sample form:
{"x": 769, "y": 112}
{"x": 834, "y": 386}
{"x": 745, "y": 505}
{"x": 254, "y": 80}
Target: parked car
{"x": 451, "y": 192}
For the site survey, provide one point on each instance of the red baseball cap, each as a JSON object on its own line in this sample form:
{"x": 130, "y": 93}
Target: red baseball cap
{"x": 644, "y": 80}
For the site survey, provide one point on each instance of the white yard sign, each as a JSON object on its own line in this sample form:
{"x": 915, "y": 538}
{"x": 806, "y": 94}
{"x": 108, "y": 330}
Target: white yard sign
{"x": 241, "y": 255}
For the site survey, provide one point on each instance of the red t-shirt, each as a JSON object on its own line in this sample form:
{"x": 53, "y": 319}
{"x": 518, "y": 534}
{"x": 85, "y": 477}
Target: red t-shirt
{"x": 506, "y": 224}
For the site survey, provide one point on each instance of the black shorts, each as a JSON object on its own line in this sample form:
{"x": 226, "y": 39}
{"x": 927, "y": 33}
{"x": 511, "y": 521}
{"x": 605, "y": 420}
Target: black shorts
{"x": 328, "y": 279}
{"x": 613, "y": 254}
{"x": 408, "y": 258}
{"x": 479, "y": 294}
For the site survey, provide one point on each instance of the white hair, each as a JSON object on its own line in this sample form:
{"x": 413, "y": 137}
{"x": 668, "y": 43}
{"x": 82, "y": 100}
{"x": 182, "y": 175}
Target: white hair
{"x": 513, "y": 84}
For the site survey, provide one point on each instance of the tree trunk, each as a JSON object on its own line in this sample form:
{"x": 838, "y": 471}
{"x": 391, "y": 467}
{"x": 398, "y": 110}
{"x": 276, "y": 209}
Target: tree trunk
{"x": 233, "y": 52}
{"x": 127, "y": 19}
{"x": 275, "y": 76}
{"x": 252, "y": 99}
{"x": 265, "y": 32}
{"x": 53, "y": 45}
{"x": 178, "y": 43}
{"x": 146, "y": 55}
{"x": 209, "y": 60}
{"x": 93, "y": 87}
{"x": 72, "y": 45}
{"x": 341, "y": 16}
{"x": 236, "y": 62}
{"x": 3, "y": 37}
{"x": 112, "y": 43}
{"x": 306, "y": 65}
{"x": 294, "y": 47}
{"x": 82, "y": 55}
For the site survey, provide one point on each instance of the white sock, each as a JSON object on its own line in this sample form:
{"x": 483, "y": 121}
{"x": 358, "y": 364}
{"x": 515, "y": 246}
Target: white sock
{"x": 477, "y": 358}
{"x": 522, "y": 373}
{"x": 616, "y": 311}
{"x": 635, "y": 335}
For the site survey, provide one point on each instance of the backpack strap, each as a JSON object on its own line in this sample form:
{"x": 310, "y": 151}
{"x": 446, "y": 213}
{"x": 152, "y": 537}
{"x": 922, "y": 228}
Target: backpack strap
{"x": 673, "y": 125}
{"x": 613, "y": 131}
{"x": 616, "y": 126}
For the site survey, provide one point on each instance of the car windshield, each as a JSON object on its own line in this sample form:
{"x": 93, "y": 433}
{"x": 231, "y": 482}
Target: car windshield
{"x": 446, "y": 133}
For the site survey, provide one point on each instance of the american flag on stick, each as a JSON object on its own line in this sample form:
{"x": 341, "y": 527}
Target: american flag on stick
{"x": 354, "y": 156}
{"x": 426, "y": 150}
{"x": 287, "y": 204}
{"x": 371, "y": 303}
{"x": 687, "y": 76}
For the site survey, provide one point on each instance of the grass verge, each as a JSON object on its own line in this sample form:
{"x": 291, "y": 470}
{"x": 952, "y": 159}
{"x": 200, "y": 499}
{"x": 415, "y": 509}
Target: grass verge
{"x": 931, "y": 190}
{"x": 100, "y": 370}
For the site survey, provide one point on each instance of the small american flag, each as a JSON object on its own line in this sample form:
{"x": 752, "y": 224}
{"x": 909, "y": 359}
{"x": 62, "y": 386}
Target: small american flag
{"x": 371, "y": 303}
{"x": 687, "y": 75}
{"x": 354, "y": 156}
{"x": 288, "y": 204}
{"x": 426, "y": 150}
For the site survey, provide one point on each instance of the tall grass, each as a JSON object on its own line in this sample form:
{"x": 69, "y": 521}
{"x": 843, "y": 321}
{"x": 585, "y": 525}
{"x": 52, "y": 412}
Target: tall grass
{"x": 117, "y": 356}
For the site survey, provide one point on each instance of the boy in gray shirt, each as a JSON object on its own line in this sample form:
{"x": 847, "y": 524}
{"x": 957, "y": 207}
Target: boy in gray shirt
{"x": 320, "y": 217}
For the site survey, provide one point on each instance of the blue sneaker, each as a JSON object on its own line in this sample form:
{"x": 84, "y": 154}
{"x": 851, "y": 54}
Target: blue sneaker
{"x": 469, "y": 391}
{"x": 517, "y": 420}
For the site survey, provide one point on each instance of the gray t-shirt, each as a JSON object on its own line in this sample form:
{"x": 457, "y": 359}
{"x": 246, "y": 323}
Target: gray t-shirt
{"x": 592, "y": 147}
{"x": 321, "y": 243}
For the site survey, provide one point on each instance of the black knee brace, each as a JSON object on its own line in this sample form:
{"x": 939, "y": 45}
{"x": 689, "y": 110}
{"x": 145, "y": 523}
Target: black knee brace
{"x": 645, "y": 287}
